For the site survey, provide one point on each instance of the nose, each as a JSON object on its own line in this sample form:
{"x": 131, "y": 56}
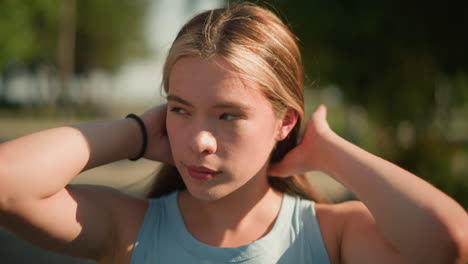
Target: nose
{"x": 204, "y": 143}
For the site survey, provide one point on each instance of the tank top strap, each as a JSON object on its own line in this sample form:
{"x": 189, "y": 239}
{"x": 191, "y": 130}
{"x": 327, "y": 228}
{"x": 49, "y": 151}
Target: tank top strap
{"x": 305, "y": 216}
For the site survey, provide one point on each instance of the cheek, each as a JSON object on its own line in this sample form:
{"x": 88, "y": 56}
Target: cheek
{"x": 253, "y": 144}
{"x": 174, "y": 133}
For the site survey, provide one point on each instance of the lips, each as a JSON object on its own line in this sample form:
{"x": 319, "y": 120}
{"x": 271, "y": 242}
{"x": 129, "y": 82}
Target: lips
{"x": 201, "y": 173}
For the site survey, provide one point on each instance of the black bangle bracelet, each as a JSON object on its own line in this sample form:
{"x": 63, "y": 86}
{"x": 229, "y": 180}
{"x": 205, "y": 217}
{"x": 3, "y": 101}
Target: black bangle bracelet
{"x": 143, "y": 133}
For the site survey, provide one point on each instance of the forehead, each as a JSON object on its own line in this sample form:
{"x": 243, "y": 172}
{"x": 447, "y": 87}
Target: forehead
{"x": 195, "y": 78}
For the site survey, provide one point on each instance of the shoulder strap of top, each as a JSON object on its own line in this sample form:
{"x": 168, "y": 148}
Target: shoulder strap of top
{"x": 144, "y": 245}
{"x": 311, "y": 229}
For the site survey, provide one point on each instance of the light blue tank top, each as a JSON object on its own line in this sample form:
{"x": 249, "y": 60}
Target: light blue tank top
{"x": 294, "y": 238}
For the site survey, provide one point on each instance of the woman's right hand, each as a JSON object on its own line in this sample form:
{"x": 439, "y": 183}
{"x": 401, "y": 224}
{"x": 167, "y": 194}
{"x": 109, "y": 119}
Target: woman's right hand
{"x": 158, "y": 148}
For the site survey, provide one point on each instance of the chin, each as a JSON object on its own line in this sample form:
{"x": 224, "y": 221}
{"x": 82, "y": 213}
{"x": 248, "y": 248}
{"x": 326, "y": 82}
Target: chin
{"x": 207, "y": 192}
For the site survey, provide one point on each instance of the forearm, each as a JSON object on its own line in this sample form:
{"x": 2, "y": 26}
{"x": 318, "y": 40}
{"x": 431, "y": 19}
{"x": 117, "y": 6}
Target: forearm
{"x": 411, "y": 214}
{"x": 40, "y": 164}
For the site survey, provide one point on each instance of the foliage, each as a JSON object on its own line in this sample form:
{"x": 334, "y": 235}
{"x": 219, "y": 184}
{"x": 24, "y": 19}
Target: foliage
{"x": 108, "y": 32}
{"x": 406, "y": 64}
{"x": 27, "y": 30}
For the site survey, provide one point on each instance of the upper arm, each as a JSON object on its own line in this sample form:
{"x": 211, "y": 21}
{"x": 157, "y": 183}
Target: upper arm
{"x": 362, "y": 242}
{"x": 351, "y": 235}
{"x": 79, "y": 220}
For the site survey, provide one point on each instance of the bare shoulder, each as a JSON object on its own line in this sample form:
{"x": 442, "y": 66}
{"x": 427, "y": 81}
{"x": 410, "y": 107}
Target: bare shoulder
{"x": 331, "y": 221}
{"x": 87, "y": 221}
{"x": 125, "y": 215}
{"x": 341, "y": 213}
{"x": 351, "y": 234}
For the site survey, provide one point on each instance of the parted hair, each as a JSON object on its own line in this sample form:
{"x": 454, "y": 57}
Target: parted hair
{"x": 259, "y": 47}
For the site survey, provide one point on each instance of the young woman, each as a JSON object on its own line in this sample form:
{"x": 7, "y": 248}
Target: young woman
{"x": 231, "y": 189}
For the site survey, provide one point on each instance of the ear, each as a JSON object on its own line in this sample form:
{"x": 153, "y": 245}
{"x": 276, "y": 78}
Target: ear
{"x": 287, "y": 124}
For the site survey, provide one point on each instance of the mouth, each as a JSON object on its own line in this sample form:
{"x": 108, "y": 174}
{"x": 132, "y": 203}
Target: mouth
{"x": 201, "y": 172}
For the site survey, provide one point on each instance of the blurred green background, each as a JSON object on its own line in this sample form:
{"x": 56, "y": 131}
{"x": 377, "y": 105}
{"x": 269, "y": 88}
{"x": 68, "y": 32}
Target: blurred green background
{"x": 394, "y": 75}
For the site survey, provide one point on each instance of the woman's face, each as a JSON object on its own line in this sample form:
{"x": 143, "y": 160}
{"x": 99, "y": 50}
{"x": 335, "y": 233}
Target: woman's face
{"x": 221, "y": 128}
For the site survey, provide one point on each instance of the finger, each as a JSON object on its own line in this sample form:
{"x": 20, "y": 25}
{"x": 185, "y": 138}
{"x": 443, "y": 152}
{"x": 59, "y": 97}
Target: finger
{"x": 277, "y": 170}
{"x": 162, "y": 115}
{"x": 320, "y": 113}
{"x": 156, "y": 120}
{"x": 284, "y": 168}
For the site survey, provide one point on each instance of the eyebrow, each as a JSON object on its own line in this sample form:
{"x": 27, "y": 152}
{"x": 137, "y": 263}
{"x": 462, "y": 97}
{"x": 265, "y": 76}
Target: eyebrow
{"x": 235, "y": 105}
{"x": 176, "y": 98}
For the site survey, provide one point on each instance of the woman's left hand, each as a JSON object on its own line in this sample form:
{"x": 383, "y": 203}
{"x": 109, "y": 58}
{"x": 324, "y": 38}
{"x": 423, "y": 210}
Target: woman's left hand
{"x": 305, "y": 156}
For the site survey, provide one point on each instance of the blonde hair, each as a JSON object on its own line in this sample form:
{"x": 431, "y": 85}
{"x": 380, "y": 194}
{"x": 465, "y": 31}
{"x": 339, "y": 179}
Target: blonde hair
{"x": 260, "y": 47}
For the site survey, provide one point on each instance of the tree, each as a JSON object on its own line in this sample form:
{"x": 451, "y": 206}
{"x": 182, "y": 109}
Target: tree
{"x": 406, "y": 64}
{"x": 92, "y": 35}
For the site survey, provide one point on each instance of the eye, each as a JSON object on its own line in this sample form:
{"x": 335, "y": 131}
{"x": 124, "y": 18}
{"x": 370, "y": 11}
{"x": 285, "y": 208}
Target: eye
{"x": 179, "y": 111}
{"x": 229, "y": 117}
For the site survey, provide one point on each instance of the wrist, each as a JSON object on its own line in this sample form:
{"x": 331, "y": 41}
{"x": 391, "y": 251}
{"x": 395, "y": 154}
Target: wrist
{"x": 143, "y": 136}
{"x": 340, "y": 158}
{"x": 132, "y": 138}
{"x": 110, "y": 141}
{"x": 321, "y": 155}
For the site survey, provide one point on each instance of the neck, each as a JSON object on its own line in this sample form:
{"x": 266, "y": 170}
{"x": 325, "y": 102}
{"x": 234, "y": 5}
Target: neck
{"x": 251, "y": 209}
